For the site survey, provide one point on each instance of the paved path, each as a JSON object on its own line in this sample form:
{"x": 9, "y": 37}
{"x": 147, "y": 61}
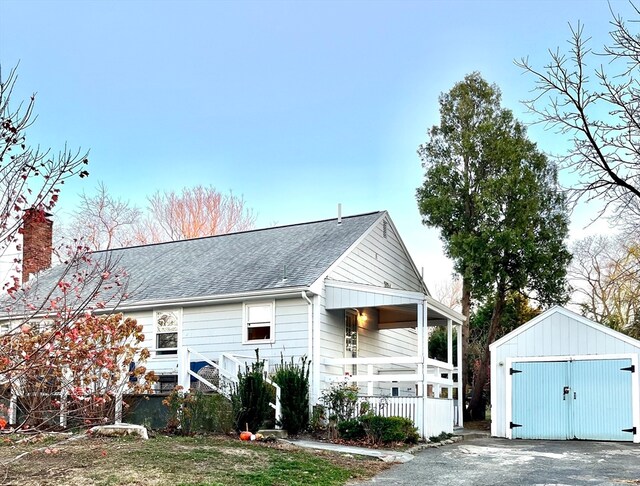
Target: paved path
{"x": 383, "y": 454}
{"x": 490, "y": 462}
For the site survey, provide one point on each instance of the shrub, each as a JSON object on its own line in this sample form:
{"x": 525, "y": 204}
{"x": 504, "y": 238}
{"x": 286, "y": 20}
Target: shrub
{"x": 319, "y": 420}
{"x": 250, "y": 397}
{"x": 293, "y": 380}
{"x": 351, "y": 429}
{"x": 196, "y": 412}
{"x": 383, "y": 430}
{"x": 340, "y": 399}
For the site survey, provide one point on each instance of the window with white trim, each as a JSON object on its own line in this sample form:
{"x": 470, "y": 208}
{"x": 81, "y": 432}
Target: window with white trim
{"x": 259, "y": 323}
{"x": 166, "y": 327}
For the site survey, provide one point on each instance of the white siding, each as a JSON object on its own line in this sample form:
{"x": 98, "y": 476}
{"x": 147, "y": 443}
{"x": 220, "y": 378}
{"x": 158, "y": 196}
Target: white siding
{"x": 557, "y": 334}
{"x": 212, "y": 330}
{"x": 331, "y": 341}
{"x": 341, "y": 298}
{"x": 377, "y": 260}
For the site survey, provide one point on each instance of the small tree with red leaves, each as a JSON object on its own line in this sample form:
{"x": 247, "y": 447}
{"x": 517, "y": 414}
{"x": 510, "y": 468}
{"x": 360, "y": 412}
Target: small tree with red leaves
{"x": 75, "y": 372}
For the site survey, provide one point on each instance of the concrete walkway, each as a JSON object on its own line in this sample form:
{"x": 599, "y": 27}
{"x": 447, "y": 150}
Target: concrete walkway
{"x": 382, "y": 454}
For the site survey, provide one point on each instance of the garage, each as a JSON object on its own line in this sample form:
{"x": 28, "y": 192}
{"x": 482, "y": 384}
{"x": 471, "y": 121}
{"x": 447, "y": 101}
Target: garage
{"x": 561, "y": 376}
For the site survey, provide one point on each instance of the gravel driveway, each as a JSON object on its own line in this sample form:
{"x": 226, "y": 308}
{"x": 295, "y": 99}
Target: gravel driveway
{"x": 490, "y": 462}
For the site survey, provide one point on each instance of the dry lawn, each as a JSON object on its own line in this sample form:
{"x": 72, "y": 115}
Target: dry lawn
{"x": 202, "y": 460}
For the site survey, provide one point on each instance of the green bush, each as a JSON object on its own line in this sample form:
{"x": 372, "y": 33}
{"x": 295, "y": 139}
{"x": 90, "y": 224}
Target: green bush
{"x": 251, "y": 396}
{"x": 383, "y": 430}
{"x": 190, "y": 412}
{"x": 214, "y": 414}
{"x": 293, "y": 380}
{"x": 351, "y": 429}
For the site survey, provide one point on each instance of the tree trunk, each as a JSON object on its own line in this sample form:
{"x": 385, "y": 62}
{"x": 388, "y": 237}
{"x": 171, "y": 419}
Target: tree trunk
{"x": 463, "y": 369}
{"x": 478, "y": 403}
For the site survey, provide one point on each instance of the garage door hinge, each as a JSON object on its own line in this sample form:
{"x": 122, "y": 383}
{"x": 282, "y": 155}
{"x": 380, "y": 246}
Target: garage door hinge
{"x": 632, "y": 430}
{"x": 512, "y": 371}
{"x": 631, "y": 368}
{"x": 513, "y": 426}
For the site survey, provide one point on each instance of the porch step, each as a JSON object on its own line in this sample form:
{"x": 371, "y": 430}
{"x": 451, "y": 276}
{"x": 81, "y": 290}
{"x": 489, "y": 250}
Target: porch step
{"x": 468, "y": 434}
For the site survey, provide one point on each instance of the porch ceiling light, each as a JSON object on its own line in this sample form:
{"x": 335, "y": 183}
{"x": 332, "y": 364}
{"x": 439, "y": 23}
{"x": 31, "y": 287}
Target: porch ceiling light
{"x": 362, "y": 317}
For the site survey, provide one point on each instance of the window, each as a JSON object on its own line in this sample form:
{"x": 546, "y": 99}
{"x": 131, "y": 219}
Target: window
{"x": 258, "y": 323}
{"x": 166, "y": 383}
{"x": 167, "y": 332}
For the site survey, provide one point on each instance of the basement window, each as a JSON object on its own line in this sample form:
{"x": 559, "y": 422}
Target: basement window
{"x": 166, "y": 383}
{"x": 166, "y": 327}
{"x": 259, "y": 323}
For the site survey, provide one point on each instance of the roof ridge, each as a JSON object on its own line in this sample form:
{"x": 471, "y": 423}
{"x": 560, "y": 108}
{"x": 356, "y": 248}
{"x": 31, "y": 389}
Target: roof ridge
{"x": 255, "y": 230}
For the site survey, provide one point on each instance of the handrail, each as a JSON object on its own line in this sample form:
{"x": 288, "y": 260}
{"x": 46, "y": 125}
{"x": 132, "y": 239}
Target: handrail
{"x": 212, "y": 363}
{"x": 276, "y": 406}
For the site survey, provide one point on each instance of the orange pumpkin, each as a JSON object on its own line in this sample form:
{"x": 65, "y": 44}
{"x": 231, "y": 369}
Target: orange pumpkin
{"x": 245, "y": 435}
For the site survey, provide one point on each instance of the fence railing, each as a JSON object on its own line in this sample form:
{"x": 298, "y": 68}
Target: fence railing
{"x": 406, "y": 407}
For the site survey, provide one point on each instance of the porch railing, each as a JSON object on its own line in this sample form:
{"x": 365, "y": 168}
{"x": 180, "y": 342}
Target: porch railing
{"x": 391, "y": 406}
{"x": 430, "y": 413}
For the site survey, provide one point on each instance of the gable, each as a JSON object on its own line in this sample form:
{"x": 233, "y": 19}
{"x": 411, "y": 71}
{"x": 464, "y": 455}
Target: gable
{"x": 560, "y": 332}
{"x": 379, "y": 259}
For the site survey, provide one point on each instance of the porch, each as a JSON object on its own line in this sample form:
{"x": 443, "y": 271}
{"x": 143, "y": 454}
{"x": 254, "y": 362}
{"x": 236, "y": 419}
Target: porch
{"x": 386, "y": 354}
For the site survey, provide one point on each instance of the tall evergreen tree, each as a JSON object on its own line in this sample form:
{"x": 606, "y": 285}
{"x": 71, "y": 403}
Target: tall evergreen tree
{"x": 494, "y": 197}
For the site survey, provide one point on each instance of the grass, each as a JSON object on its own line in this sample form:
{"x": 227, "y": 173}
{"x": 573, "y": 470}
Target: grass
{"x": 187, "y": 461}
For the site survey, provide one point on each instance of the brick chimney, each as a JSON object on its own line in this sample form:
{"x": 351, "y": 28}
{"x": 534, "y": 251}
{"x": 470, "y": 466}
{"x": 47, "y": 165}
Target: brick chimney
{"x": 37, "y": 242}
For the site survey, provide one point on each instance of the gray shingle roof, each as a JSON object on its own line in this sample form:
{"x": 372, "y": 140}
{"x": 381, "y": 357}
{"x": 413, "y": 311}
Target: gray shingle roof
{"x": 233, "y": 263}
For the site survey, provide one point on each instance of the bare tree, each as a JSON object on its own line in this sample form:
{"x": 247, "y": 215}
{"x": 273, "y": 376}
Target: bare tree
{"x": 449, "y": 292}
{"x": 599, "y": 108}
{"x": 195, "y": 212}
{"x": 607, "y": 276}
{"x": 29, "y": 177}
{"x": 103, "y": 221}
{"x": 36, "y": 315}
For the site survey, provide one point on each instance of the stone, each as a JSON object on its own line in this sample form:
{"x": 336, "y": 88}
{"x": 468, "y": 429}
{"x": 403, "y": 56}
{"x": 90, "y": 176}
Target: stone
{"x": 119, "y": 430}
{"x": 277, "y": 433}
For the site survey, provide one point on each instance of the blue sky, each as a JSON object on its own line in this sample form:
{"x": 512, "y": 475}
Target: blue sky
{"x": 296, "y": 106}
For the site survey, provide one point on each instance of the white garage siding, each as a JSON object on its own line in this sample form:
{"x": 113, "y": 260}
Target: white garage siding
{"x": 556, "y": 335}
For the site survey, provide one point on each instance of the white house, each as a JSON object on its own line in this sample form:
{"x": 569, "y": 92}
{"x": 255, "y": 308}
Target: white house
{"x": 344, "y": 292}
{"x": 562, "y": 376}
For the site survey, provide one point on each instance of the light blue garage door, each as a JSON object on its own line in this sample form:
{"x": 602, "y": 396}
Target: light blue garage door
{"x": 585, "y": 399}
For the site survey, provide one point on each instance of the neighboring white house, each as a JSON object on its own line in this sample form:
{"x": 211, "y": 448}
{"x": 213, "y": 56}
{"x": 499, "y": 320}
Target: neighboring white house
{"x": 344, "y": 292}
{"x": 562, "y": 376}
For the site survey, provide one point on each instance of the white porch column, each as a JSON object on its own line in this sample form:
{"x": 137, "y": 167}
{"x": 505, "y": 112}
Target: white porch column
{"x": 460, "y": 370}
{"x": 423, "y": 352}
{"x": 450, "y": 355}
{"x": 420, "y": 331}
{"x": 184, "y": 379}
{"x": 449, "y": 342}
